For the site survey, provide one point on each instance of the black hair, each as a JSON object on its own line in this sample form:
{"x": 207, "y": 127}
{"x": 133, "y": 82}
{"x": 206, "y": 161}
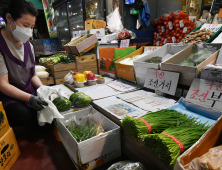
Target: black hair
{"x": 18, "y": 7}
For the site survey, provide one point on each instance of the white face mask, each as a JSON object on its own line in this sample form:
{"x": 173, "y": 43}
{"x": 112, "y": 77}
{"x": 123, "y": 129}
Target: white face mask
{"x": 21, "y": 34}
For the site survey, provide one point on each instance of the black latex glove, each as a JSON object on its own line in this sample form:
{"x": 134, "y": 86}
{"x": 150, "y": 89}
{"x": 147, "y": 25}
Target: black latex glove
{"x": 36, "y": 102}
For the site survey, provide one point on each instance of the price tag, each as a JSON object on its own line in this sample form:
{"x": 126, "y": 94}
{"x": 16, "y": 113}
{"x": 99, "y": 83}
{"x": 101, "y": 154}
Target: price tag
{"x": 174, "y": 39}
{"x": 163, "y": 81}
{"x": 211, "y": 27}
{"x": 166, "y": 15}
{"x": 170, "y": 25}
{"x": 158, "y": 36}
{"x": 181, "y": 24}
{"x": 162, "y": 29}
{"x": 165, "y": 40}
{"x": 158, "y": 43}
{"x": 185, "y": 30}
{"x": 124, "y": 43}
{"x": 205, "y": 93}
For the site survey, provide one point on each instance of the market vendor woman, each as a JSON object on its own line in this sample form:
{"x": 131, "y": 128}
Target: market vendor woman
{"x": 18, "y": 81}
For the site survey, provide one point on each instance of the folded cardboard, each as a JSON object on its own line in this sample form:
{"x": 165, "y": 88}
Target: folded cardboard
{"x": 9, "y": 150}
{"x": 81, "y": 45}
{"x": 127, "y": 71}
{"x": 95, "y": 147}
{"x": 4, "y": 125}
{"x": 140, "y": 66}
{"x": 210, "y": 139}
{"x": 94, "y": 24}
{"x": 187, "y": 74}
{"x": 107, "y": 62}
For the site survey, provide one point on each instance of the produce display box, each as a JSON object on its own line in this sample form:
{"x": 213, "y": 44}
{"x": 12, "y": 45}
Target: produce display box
{"x": 63, "y": 67}
{"x": 107, "y": 62}
{"x": 47, "y": 80}
{"x": 187, "y": 74}
{"x": 95, "y": 147}
{"x": 9, "y": 150}
{"x": 94, "y": 24}
{"x": 140, "y": 66}
{"x": 211, "y": 75}
{"x": 210, "y": 139}
{"x": 86, "y": 58}
{"x": 98, "y": 32}
{"x": 61, "y": 74}
{"x": 127, "y": 71}
{"x": 59, "y": 81}
{"x": 211, "y": 38}
{"x": 87, "y": 43}
{"x": 4, "y": 125}
{"x": 87, "y": 66}
{"x": 107, "y": 38}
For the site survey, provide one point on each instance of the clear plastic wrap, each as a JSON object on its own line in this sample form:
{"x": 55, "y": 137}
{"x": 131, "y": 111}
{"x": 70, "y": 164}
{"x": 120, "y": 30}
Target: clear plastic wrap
{"x": 212, "y": 160}
{"x": 114, "y": 23}
{"x": 127, "y": 165}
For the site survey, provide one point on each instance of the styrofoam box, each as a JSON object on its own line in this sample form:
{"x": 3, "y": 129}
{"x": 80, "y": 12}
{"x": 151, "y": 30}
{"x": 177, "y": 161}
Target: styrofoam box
{"x": 140, "y": 66}
{"x": 94, "y": 147}
{"x": 107, "y": 38}
{"x": 98, "y": 32}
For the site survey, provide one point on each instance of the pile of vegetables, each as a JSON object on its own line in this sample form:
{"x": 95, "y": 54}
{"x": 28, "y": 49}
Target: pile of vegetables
{"x": 199, "y": 36}
{"x": 196, "y": 58}
{"x": 55, "y": 59}
{"x": 156, "y": 60}
{"x": 166, "y": 133}
{"x": 77, "y": 99}
{"x": 81, "y": 133}
{"x": 171, "y": 28}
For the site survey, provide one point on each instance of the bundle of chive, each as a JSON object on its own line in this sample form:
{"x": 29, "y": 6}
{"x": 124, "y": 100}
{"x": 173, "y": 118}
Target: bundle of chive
{"x": 153, "y": 122}
{"x": 169, "y": 144}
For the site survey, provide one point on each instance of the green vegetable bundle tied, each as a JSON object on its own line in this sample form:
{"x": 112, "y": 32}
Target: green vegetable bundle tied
{"x": 158, "y": 122}
{"x": 81, "y": 133}
{"x": 168, "y": 145}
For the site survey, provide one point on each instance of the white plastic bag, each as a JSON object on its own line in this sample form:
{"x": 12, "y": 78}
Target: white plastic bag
{"x": 114, "y": 23}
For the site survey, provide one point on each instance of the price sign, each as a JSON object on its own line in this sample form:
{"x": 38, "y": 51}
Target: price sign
{"x": 185, "y": 30}
{"x": 211, "y": 27}
{"x": 121, "y": 86}
{"x": 162, "y": 29}
{"x": 181, "y": 24}
{"x": 124, "y": 43}
{"x": 170, "y": 25}
{"x": 163, "y": 81}
{"x": 205, "y": 93}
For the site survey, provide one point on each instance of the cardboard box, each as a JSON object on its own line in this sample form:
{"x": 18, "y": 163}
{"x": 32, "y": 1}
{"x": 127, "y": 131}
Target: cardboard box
{"x": 140, "y": 66}
{"x": 86, "y": 58}
{"x": 187, "y": 74}
{"x": 9, "y": 150}
{"x": 211, "y": 75}
{"x": 87, "y": 43}
{"x": 95, "y": 147}
{"x": 4, "y": 125}
{"x": 107, "y": 38}
{"x": 94, "y": 24}
{"x": 107, "y": 62}
{"x": 127, "y": 71}
{"x": 63, "y": 67}
{"x": 210, "y": 139}
{"x": 98, "y": 32}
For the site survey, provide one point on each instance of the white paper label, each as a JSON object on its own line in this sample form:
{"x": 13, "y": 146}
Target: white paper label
{"x": 165, "y": 40}
{"x": 158, "y": 36}
{"x": 124, "y": 43}
{"x": 174, "y": 39}
{"x": 158, "y": 43}
{"x": 121, "y": 86}
{"x": 163, "y": 81}
{"x": 211, "y": 27}
{"x": 170, "y": 25}
{"x": 162, "y": 29}
{"x": 185, "y": 30}
{"x": 181, "y": 24}
{"x": 205, "y": 93}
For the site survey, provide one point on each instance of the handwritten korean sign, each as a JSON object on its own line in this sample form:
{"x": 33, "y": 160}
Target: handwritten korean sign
{"x": 124, "y": 43}
{"x": 163, "y": 81}
{"x": 206, "y": 93}
{"x": 211, "y": 27}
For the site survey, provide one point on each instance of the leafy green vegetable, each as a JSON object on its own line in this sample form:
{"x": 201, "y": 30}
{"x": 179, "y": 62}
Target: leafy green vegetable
{"x": 156, "y": 60}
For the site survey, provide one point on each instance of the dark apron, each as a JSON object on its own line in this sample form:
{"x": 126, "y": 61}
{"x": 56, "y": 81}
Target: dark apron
{"x": 15, "y": 67}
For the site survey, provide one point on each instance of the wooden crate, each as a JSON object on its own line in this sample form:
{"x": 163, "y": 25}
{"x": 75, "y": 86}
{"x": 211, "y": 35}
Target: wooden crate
{"x": 59, "y": 81}
{"x": 47, "y": 81}
{"x": 86, "y": 58}
{"x": 93, "y": 70}
{"x": 63, "y": 67}
{"x": 86, "y": 66}
{"x": 60, "y": 74}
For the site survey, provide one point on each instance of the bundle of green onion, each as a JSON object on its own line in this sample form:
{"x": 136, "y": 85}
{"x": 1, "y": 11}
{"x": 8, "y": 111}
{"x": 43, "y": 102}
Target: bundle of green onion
{"x": 159, "y": 121}
{"x": 168, "y": 149}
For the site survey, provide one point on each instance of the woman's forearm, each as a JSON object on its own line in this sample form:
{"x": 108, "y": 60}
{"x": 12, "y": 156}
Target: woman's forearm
{"x": 36, "y": 82}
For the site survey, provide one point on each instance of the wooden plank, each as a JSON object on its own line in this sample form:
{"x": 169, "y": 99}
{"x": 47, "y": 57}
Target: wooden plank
{"x": 59, "y": 81}
{"x": 86, "y": 58}
{"x": 61, "y": 74}
{"x": 86, "y": 66}
{"x": 63, "y": 67}
{"x": 71, "y": 87}
{"x": 47, "y": 81}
